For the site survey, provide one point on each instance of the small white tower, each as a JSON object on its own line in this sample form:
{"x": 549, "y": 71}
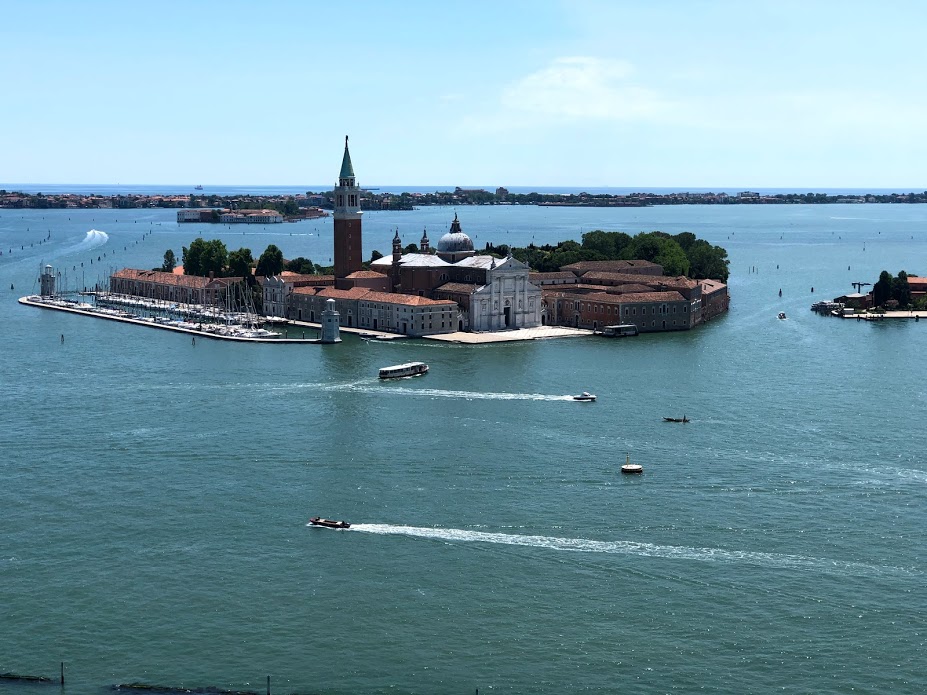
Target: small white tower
{"x": 47, "y": 280}
{"x": 330, "y": 330}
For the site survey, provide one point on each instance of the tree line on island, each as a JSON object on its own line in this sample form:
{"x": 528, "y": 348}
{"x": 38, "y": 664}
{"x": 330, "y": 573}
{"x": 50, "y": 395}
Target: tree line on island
{"x": 212, "y": 258}
{"x": 679, "y": 254}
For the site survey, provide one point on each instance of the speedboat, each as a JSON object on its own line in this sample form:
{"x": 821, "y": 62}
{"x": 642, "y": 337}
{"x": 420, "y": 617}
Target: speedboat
{"x": 781, "y": 315}
{"x": 676, "y": 419}
{"x": 328, "y": 523}
{"x": 584, "y": 396}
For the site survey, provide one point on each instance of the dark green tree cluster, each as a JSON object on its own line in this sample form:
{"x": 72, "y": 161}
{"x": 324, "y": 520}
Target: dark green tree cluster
{"x": 205, "y": 257}
{"x": 303, "y": 266}
{"x": 893, "y": 291}
{"x": 270, "y": 262}
{"x": 682, "y": 254}
{"x": 170, "y": 262}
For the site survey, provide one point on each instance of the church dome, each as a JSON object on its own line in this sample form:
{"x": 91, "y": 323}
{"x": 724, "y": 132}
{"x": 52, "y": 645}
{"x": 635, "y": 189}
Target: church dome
{"x": 455, "y": 240}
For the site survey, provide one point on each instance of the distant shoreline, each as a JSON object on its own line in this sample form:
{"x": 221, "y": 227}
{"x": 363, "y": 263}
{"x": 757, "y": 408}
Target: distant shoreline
{"x": 293, "y": 204}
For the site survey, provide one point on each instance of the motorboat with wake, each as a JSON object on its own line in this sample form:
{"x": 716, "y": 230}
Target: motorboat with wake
{"x": 585, "y": 396}
{"x": 328, "y": 523}
{"x": 781, "y": 315}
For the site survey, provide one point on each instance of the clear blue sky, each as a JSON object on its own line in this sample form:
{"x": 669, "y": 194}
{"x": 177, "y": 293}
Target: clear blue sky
{"x": 579, "y": 93}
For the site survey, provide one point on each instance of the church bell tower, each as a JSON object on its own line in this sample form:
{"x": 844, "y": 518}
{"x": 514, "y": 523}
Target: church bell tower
{"x": 348, "y": 243}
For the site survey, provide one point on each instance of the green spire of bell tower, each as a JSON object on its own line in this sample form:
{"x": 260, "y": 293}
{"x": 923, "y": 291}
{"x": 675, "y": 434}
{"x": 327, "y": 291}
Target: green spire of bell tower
{"x": 347, "y": 169}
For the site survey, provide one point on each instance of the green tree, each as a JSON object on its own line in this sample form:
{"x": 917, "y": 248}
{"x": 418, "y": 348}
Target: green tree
{"x": 901, "y": 290}
{"x": 707, "y": 261}
{"x": 672, "y": 258}
{"x": 170, "y": 261}
{"x": 882, "y": 290}
{"x": 300, "y": 265}
{"x": 270, "y": 262}
{"x": 290, "y": 206}
{"x": 601, "y": 242}
{"x": 240, "y": 264}
{"x": 205, "y": 257}
{"x": 685, "y": 240}
{"x": 375, "y": 256}
{"x": 411, "y": 248}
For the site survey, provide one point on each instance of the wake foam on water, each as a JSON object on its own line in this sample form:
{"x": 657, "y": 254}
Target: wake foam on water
{"x": 442, "y": 393}
{"x": 672, "y": 552}
{"x": 91, "y": 240}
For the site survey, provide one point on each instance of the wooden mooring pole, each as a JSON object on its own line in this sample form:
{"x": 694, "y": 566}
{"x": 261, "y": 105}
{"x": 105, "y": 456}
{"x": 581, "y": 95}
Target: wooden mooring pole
{"x": 62, "y": 673}
{"x": 268, "y": 685}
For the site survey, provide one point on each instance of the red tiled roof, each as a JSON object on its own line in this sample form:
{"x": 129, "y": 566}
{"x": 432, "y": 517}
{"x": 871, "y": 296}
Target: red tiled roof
{"x": 289, "y": 276}
{"x": 609, "y": 266}
{"x": 457, "y": 287}
{"x": 366, "y": 274}
{"x": 405, "y": 299}
{"x": 353, "y": 293}
{"x": 562, "y": 275}
{"x": 162, "y": 278}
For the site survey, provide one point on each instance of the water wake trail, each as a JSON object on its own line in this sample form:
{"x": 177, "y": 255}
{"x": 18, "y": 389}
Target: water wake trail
{"x": 672, "y": 552}
{"x": 92, "y": 239}
{"x": 442, "y": 393}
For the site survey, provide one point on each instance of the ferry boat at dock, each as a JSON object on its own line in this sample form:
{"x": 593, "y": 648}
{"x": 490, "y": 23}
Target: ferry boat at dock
{"x": 623, "y": 330}
{"x": 404, "y": 371}
{"x": 826, "y": 307}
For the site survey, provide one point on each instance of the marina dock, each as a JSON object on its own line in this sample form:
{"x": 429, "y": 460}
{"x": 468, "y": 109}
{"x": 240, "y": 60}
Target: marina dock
{"x": 89, "y": 310}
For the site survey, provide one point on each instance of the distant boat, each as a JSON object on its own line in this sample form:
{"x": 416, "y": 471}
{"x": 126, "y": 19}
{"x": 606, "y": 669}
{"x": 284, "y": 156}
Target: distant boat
{"x": 585, "y": 396}
{"x": 677, "y": 419}
{"x": 781, "y": 315}
{"x": 328, "y": 523}
{"x": 197, "y": 188}
{"x": 402, "y": 371}
{"x": 631, "y": 468}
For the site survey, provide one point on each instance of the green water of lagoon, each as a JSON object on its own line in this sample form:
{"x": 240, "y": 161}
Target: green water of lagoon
{"x": 154, "y": 494}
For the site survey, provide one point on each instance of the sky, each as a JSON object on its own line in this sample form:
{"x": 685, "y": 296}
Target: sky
{"x": 668, "y": 93}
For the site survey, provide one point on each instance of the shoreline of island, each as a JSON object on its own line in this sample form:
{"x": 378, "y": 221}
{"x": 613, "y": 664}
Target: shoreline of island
{"x": 309, "y": 205}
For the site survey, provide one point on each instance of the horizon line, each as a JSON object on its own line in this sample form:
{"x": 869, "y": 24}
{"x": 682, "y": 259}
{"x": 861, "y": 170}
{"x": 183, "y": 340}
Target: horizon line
{"x": 439, "y": 187}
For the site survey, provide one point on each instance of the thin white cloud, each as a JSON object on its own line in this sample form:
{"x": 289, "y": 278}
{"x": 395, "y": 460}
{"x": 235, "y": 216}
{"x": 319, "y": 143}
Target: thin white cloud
{"x": 571, "y": 90}
{"x": 583, "y": 87}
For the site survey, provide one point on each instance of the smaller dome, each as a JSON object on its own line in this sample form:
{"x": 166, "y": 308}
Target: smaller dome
{"x": 455, "y": 240}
